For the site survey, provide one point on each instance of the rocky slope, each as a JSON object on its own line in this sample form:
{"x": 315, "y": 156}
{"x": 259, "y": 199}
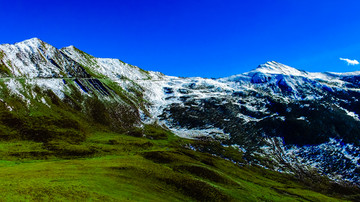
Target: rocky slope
{"x": 281, "y": 118}
{"x": 299, "y": 120}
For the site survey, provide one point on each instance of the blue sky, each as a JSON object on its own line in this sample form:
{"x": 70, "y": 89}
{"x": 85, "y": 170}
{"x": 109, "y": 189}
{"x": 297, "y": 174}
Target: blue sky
{"x": 209, "y": 38}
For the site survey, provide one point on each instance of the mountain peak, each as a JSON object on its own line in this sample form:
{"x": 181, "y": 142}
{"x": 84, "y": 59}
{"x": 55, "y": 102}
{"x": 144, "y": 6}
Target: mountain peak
{"x": 273, "y": 67}
{"x": 71, "y": 47}
{"x": 34, "y": 40}
{"x": 35, "y": 43}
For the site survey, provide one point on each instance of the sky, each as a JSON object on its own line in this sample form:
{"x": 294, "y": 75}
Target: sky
{"x": 207, "y": 38}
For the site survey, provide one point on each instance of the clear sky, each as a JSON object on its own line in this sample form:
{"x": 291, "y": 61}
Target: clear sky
{"x": 209, "y": 38}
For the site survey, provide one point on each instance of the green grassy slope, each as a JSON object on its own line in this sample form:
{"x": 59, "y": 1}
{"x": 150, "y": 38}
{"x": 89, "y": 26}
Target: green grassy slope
{"x": 155, "y": 167}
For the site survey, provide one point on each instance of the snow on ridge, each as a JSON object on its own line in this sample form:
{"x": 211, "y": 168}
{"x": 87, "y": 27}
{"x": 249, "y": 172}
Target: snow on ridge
{"x": 111, "y": 68}
{"x": 30, "y": 42}
{"x": 273, "y": 67}
{"x": 116, "y": 68}
{"x": 30, "y": 59}
{"x": 270, "y": 67}
{"x": 355, "y": 73}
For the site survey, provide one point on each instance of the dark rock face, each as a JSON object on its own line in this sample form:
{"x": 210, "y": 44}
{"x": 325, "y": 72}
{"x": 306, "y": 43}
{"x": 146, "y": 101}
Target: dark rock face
{"x": 301, "y": 123}
{"x": 260, "y": 78}
{"x": 168, "y": 90}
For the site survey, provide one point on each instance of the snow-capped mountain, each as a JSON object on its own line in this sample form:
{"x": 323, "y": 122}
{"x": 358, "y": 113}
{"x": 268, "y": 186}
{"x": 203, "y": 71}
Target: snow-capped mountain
{"x": 280, "y": 117}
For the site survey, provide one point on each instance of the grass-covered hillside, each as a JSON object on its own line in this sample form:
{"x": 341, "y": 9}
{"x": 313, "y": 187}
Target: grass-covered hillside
{"x": 147, "y": 164}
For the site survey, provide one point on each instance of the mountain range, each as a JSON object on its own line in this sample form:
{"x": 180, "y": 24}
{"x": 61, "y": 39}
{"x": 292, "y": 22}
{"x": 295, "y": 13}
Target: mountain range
{"x": 278, "y": 117}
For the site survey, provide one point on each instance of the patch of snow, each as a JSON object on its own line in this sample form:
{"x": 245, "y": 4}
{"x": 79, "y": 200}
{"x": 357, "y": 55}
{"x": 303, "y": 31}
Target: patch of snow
{"x": 273, "y": 67}
{"x": 315, "y": 157}
{"x": 15, "y": 87}
{"x": 31, "y": 58}
{"x": 195, "y": 133}
{"x": 54, "y": 84}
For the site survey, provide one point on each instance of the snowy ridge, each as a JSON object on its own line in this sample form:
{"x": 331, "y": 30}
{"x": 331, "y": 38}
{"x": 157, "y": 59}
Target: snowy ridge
{"x": 30, "y": 59}
{"x": 34, "y": 58}
{"x": 273, "y": 67}
{"x": 111, "y": 68}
